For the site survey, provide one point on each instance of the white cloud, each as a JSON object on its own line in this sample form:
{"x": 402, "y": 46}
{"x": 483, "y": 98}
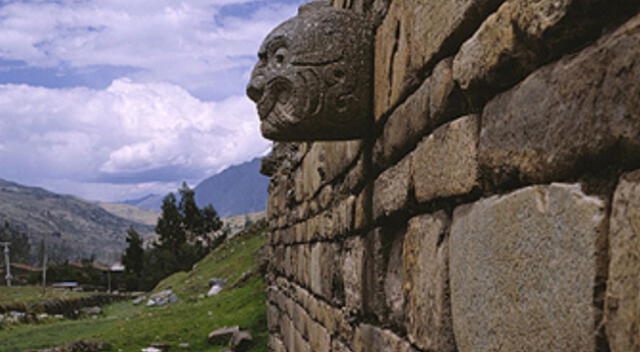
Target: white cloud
{"x": 183, "y": 42}
{"x": 147, "y": 132}
{"x": 129, "y": 135}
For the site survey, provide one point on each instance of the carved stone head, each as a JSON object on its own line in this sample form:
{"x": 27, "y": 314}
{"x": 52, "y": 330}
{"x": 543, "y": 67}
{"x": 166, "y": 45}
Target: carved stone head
{"x": 314, "y": 77}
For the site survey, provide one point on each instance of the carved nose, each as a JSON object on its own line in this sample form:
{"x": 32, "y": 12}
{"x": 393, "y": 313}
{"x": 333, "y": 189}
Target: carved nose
{"x": 254, "y": 91}
{"x": 255, "y": 88}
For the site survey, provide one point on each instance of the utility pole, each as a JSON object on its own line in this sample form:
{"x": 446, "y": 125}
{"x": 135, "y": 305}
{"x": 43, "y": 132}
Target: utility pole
{"x": 44, "y": 264}
{"x": 7, "y": 262}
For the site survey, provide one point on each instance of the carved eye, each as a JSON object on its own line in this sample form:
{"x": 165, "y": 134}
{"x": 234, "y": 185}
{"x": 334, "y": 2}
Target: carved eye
{"x": 338, "y": 73}
{"x": 280, "y": 55}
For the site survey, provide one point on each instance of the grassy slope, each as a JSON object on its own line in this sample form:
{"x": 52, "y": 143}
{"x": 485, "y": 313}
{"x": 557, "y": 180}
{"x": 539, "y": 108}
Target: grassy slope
{"x": 33, "y": 294}
{"x": 128, "y": 328}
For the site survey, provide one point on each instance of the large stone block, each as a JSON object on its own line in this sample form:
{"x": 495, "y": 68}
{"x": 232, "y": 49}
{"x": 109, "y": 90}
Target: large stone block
{"x": 567, "y": 114}
{"x": 436, "y": 101}
{"x": 323, "y": 162}
{"x": 623, "y": 287}
{"x": 363, "y": 209}
{"x": 382, "y": 294}
{"x": 273, "y": 318}
{"x": 276, "y": 344}
{"x": 310, "y": 178}
{"x": 337, "y": 346}
{"x": 426, "y": 283}
{"x": 393, "y": 281}
{"x": 338, "y": 156}
{"x": 319, "y": 338}
{"x": 414, "y": 34}
{"x": 445, "y": 163}
{"x": 324, "y": 269}
{"x": 392, "y": 188}
{"x": 369, "y": 338}
{"x": 523, "y": 270}
{"x": 288, "y": 332}
{"x": 523, "y": 34}
{"x": 352, "y": 271}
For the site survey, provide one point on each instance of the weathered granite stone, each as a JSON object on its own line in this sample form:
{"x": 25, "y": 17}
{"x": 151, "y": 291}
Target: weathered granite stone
{"x": 319, "y": 338}
{"x": 287, "y": 331}
{"x": 393, "y": 280}
{"x": 436, "y": 101}
{"x": 523, "y": 270}
{"x": 445, "y": 163}
{"x": 375, "y": 267}
{"x": 426, "y": 283}
{"x": 337, "y": 346}
{"x": 363, "y": 208}
{"x": 404, "y": 126}
{"x": 299, "y": 343}
{"x": 323, "y": 268}
{"x": 281, "y": 158}
{"x": 338, "y": 156}
{"x": 301, "y": 320}
{"x": 623, "y": 287}
{"x": 522, "y": 35}
{"x": 369, "y": 338}
{"x": 567, "y": 114}
{"x": 311, "y": 174}
{"x": 313, "y": 80}
{"x": 382, "y": 294}
{"x": 343, "y": 216}
{"x": 392, "y": 60}
{"x": 222, "y": 336}
{"x": 276, "y": 344}
{"x": 242, "y": 341}
{"x": 392, "y": 188}
{"x": 414, "y": 34}
{"x": 273, "y": 318}
{"x": 352, "y": 271}
{"x": 355, "y": 178}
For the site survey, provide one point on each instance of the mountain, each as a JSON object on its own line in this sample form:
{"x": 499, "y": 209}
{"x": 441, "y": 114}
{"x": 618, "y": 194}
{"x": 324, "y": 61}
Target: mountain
{"x": 239, "y": 189}
{"x": 131, "y": 212}
{"x": 151, "y": 202}
{"x": 74, "y": 228}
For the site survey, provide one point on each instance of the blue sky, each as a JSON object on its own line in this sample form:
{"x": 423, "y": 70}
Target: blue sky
{"x": 115, "y": 99}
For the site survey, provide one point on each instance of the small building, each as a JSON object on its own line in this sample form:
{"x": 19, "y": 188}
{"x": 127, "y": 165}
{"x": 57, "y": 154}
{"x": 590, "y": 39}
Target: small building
{"x": 68, "y": 285}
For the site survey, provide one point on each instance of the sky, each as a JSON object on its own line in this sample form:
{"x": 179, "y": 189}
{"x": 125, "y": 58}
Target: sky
{"x": 116, "y": 99}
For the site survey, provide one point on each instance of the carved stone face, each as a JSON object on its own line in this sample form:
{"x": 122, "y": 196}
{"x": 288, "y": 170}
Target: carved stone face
{"x": 313, "y": 80}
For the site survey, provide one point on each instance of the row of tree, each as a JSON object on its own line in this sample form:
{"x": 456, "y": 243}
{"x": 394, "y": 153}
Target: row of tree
{"x": 186, "y": 235}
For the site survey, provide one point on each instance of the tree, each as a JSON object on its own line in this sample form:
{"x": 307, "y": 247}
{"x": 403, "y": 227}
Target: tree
{"x": 197, "y": 223}
{"x": 170, "y": 225}
{"x": 133, "y": 257}
{"x": 184, "y": 231}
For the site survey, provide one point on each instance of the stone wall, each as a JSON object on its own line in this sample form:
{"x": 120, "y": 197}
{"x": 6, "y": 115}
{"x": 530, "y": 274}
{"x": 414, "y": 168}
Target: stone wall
{"x": 494, "y": 206}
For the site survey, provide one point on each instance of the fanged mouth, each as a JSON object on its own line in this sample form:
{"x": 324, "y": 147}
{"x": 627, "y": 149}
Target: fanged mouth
{"x": 278, "y": 91}
{"x": 280, "y": 117}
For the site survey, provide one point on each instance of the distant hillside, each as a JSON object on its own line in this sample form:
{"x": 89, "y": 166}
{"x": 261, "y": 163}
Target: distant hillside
{"x": 239, "y": 189}
{"x": 84, "y": 227}
{"x": 131, "y": 212}
{"x": 149, "y": 202}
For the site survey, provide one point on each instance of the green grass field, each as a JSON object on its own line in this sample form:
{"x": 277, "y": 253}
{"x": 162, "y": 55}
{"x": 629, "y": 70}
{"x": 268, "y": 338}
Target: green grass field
{"x": 126, "y": 327}
{"x": 32, "y": 294}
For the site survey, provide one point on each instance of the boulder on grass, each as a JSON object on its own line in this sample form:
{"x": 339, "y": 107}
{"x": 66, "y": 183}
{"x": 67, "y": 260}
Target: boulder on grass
{"x": 223, "y": 336}
{"x": 242, "y": 341}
